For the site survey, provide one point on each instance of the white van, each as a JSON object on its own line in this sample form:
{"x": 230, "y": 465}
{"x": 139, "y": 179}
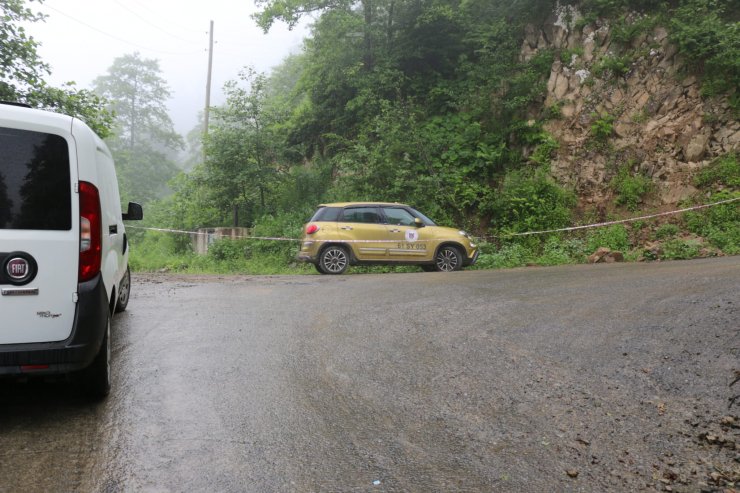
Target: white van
{"x": 63, "y": 248}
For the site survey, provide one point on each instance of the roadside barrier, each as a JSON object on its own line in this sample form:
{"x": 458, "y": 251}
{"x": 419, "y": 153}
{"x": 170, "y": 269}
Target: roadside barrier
{"x": 502, "y": 236}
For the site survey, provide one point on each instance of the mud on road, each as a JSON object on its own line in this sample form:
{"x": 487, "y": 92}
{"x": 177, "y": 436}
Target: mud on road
{"x": 583, "y": 378}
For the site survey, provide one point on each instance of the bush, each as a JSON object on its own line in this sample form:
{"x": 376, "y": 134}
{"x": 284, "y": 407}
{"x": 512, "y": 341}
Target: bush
{"x": 529, "y": 201}
{"x": 612, "y": 66}
{"x": 680, "y": 249}
{"x": 230, "y": 249}
{"x": 709, "y": 36}
{"x": 508, "y": 256}
{"x": 614, "y": 237}
{"x": 630, "y": 189}
{"x": 557, "y": 251}
{"x": 625, "y": 30}
{"x": 667, "y": 231}
{"x": 602, "y": 128}
{"x": 545, "y": 151}
{"x": 720, "y": 225}
{"x": 724, "y": 170}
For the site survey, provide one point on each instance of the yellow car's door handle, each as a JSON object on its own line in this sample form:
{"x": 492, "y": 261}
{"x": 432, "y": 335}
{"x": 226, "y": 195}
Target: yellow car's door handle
{"x": 395, "y": 231}
{"x": 348, "y": 228}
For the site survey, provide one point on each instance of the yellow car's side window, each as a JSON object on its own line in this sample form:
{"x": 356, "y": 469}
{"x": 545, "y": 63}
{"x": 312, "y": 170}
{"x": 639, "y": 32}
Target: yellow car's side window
{"x": 368, "y": 215}
{"x": 398, "y": 217}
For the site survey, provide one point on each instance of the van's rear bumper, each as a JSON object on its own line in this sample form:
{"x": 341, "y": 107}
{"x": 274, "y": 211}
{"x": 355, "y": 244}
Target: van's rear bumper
{"x": 74, "y": 353}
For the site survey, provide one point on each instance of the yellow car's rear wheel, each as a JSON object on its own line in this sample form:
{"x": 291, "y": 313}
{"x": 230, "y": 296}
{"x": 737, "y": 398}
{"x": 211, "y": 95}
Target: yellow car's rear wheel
{"x": 334, "y": 260}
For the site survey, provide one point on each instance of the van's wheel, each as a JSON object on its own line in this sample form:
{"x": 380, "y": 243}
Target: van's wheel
{"x": 97, "y": 376}
{"x": 448, "y": 259}
{"x": 124, "y": 291}
{"x": 333, "y": 260}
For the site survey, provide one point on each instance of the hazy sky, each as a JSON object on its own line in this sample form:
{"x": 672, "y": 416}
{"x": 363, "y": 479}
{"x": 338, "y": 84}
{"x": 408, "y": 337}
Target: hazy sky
{"x": 80, "y": 39}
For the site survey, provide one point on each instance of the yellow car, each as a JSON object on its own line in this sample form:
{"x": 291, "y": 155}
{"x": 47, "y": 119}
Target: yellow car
{"x": 372, "y": 233}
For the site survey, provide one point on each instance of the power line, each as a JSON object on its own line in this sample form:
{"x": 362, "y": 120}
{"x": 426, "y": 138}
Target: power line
{"x": 179, "y": 26}
{"x": 114, "y": 37}
{"x": 153, "y": 24}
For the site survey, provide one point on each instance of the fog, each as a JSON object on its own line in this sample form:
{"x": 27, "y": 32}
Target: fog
{"x": 81, "y": 38}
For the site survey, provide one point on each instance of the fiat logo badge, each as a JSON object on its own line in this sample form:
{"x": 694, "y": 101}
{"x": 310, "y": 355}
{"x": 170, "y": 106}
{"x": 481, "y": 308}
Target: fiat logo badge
{"x": 18, "y": 268}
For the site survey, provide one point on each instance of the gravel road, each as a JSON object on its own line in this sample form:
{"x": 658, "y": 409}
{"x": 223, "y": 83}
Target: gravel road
{"x": 578, "y": 378}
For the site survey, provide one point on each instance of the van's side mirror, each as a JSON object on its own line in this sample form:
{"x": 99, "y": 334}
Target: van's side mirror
{"x": 134, "y": 213}
{"x": 418, "y": 222}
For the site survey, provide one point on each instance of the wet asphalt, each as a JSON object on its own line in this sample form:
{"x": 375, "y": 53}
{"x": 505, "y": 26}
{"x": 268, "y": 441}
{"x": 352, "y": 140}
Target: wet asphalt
{"x": 574, "y": 378}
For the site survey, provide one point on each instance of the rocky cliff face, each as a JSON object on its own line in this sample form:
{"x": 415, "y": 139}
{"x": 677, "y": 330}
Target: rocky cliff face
{"x": 659, "y": 124}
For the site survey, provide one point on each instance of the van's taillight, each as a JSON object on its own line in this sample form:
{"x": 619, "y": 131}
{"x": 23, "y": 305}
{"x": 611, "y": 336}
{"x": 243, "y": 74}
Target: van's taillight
{"x": 90, "y": 232}
{"x": 311, "y": 229}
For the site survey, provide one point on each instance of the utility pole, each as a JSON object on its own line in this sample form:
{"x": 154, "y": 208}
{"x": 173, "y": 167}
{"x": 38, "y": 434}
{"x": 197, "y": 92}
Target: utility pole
{"x": 208, "y": 83}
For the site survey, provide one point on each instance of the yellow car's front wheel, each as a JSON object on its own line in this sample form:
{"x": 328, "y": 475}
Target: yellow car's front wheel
{"x": 448, "y": 259}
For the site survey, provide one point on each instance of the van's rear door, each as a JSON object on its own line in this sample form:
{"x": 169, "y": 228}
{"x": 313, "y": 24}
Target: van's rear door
{"x": 39, "y": 231}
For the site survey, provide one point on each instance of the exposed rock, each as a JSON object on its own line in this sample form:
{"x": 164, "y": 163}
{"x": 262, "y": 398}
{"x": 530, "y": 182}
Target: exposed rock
{"x": 612, "y": 257}
{"x": 658, "y": 113}
{"x": 605, "y": 255}
{"x": 696, "y": 148}
{"x": 561, "y": 86}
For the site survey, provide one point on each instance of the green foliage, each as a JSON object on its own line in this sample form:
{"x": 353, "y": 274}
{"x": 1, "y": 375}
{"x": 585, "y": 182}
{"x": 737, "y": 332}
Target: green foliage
{"x": 667, "y": 231}
{"x": 508, "y": 256}
{"x": 612, "y": 66}
{"x": 138, "y": 96}
{"x": 630, "y": 189}
{"x": 678, "y": 249}
{"x": 724, "y": 170}
{"x": 21, "y": 68}
{"x": 628, "y": 28}
{"x": 612, "y": 8}
{"x": 554, "y": 111}
{"x": 602, "y": 127}
{"x": 79, "y": 103}
{"x": 22, "y": 73}
{"x": 615, "y": 237}
{"x": 545, "y": 150}
{"x": 230, "y": 249}
{"x": 567, "y": 55}
{"x": 719, "y": 224}
{"x": 144, "y": 140}
{"x": 530, "y": 202}
{"x": 242, "y": 150}
{"x": 284, "y": 225}
{"x": 558, "y": 252}
{"x": 155, "y": 252}
{"x": 708, "y": 35}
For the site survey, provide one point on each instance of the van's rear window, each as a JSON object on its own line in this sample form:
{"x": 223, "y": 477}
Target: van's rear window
{"x": 35, "y": 191}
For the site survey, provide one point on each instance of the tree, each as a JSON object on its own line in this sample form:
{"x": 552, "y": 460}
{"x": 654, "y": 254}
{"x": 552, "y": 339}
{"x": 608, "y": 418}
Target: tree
{"x": 22, "y": 73}
{"x": 242, "y": 149}
{"x": 137, "y": 94}
{"x": 145, "y": 141}
{"x": 21, "y": 67}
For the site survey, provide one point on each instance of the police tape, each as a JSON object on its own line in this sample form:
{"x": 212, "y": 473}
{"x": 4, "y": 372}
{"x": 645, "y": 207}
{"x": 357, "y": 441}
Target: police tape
{"x": 501, "y": 236}
{"x": 220, "y": 236}
{"x": 618, "y": 221}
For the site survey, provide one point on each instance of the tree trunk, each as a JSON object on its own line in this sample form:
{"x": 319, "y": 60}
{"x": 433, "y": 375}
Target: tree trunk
{"x": 236, "y": 215}
{"x": 368, "y": 9}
